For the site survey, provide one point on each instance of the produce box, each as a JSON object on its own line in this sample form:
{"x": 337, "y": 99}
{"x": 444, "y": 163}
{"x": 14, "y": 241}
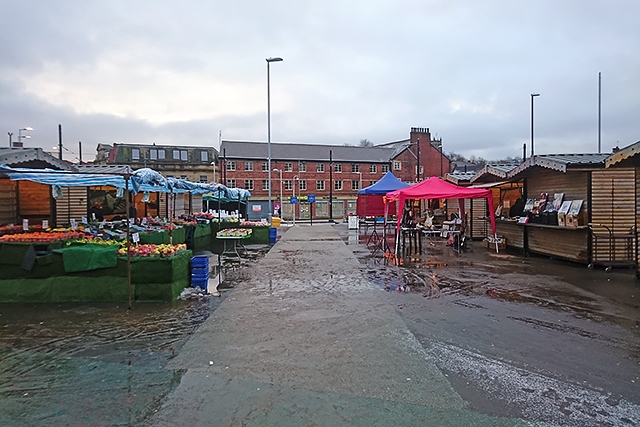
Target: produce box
{"x": 489, "y": 242}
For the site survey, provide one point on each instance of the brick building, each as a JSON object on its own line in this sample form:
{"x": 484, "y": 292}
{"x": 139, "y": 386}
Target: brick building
{"x": 328, "y": 172}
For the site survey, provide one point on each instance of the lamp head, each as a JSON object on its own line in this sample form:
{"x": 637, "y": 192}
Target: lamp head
{"x": 535, "y": 94}
{"x": 27, "y": 128}
{"x": 276, "y": 59}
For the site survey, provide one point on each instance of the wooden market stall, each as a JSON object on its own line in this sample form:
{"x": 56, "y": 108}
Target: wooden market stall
{"x": 587, "y": 212}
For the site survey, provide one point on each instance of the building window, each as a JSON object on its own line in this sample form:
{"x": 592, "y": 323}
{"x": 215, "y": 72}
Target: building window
{"x": 337, "y": 167}
{"x": 156, "y": 154}
{"x": 373, "y": 168}
{"x": 135, "y": 154}
{"x": 421, "y": 170}
{"x": 180, "y": 155}
{"x": 302, "y": 166}
{"x": 231, "y": 183}
{"x": 248, "y": 184}
{"x": 183, "y": 176}
{"x": 355, "y": 184}
{"x": 337, "y": 185}
{"x": 265, "y": 166}
{"x": 248, "y": 166}
{"x": 231, "y": 166}
{"x": 203, "y": 179}
{"x": 320, "y": 185}
{"x": 385, "y": 168}
{"x": 204, "y": 156}
{"x": 371, "y": 183}
{"x": 397, "y": 165}
{"x": 355, "y": 168}
{"x": 288, "y": 167}
{"x": 288, "y": 184}
{"x": 320, "y": 167}
{"x": 265, "y": 184}
{"x": 302, "y": 184}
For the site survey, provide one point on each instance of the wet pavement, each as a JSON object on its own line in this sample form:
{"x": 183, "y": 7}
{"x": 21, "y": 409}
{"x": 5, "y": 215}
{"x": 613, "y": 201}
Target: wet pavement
{"x": 322, "y": 332}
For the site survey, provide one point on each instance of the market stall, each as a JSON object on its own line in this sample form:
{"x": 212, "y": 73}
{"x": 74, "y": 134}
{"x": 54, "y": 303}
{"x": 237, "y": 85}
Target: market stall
{"x": 436, "y": 188}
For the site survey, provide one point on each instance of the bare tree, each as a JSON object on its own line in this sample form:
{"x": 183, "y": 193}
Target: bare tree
{"x": 365, "y": 143}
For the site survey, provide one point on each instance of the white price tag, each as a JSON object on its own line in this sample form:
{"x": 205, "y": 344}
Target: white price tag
{"x": 25, "y": 224}
{"x": 45, "y": 224}
{"x": 74, "y": 224}
{"x": 135, "y": 237}
{"x": 83, "y": 220}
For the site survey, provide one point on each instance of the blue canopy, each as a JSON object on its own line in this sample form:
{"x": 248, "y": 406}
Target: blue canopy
{"x": 384, "y": 185}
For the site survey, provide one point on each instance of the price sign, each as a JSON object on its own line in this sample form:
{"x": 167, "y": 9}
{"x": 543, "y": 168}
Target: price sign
{"x": 45, "y": 224}
{"x": 25, "y": 224}
{"x": 135, "y": 237}
{"x": 74, "y": 224}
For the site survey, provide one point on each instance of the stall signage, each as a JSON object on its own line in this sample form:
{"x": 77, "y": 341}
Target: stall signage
{"x": 256, "y": 208}
{"x": 311, "y": 198}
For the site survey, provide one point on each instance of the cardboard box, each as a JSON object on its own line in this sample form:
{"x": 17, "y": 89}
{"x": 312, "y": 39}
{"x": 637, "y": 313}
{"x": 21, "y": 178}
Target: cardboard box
{"x": 489, "y": 243}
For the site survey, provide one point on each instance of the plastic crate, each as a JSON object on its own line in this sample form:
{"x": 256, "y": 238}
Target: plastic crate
{"x": 200, "y": 261}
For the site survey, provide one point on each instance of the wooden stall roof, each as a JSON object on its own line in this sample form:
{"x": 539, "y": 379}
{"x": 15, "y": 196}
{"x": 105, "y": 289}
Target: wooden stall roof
{"x": 560, "y": 162}
{"x": 34, "y": 158}
{"x": 628, "y": 156}
{"x": 493, "y": 172}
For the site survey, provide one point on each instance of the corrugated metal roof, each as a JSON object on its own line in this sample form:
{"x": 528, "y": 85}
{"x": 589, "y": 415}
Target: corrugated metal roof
{"x": 306, "y": 152}
{"x": 457, "y": 177}
{"x": 17, "y": 156}
{"x": 106, "y": 169}
{"x": 560, "y": 162}
{"x": 623, "y": 154}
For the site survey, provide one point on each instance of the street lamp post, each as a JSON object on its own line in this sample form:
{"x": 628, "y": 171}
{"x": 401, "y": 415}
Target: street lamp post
{"x": 278, "y": 170}
{"x": 295, "y": 178}
{"x": 21, "y": 136}
{"x": 269, "y": 61}
{"x": 533, "y": 95}
{"x": 10, "y": 139}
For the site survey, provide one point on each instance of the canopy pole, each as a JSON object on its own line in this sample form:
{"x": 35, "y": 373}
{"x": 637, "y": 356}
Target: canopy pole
{"x": 128, "y": 244}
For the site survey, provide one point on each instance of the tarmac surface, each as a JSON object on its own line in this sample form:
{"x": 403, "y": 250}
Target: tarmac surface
{"x": 320, "y": 334}
{"x": 325, "y": 331}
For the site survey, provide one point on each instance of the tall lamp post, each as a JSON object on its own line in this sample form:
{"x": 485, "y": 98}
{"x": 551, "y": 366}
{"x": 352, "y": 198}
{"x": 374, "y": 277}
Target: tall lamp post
{"x": 10, "y": 139}
{"x": 269, "y": 61}
{"x": 295, "y": 178}
{"x": 278, "y": 170}
{"x": 21, "y": 136}
{"x": 533, "y": 95}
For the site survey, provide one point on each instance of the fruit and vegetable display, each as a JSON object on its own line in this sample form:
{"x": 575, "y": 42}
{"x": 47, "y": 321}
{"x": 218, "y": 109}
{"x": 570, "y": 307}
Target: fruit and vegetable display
{"x": 234, "y": 232}
{"x": 254, "y": 224}
{"x": 154, "y": 251}
{"x": 42, "y": 237}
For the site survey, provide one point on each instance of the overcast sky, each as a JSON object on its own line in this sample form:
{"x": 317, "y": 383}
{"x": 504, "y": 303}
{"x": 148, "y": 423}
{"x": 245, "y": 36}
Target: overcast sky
{"x": 182, "y": 72}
